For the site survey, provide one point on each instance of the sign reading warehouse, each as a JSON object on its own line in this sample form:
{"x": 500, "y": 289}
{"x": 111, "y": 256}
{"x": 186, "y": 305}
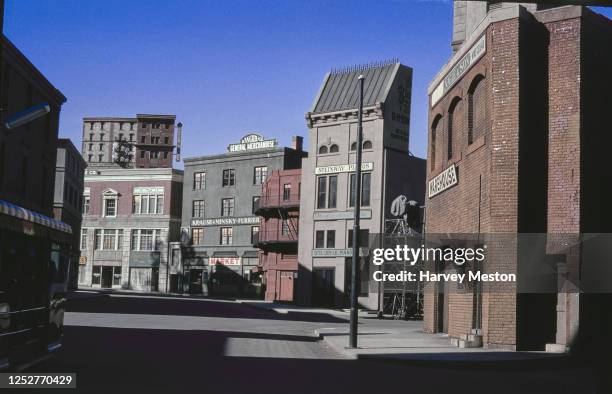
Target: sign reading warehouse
{"x": 459, "y": 69}
{"x": 443, "y": 181}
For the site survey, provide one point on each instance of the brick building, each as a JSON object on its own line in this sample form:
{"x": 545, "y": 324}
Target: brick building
{"x": 68, "y": 199}
{"x": 150, "y": 136}
{"x": 518, "y": 114}
{"x": 130, "y": 217}
{"x": 277, "y": 239}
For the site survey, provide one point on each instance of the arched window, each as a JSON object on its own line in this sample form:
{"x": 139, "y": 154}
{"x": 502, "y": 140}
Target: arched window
{"x": 453, "y": 125}
{"x": 477, "y": 116}
{"x": 435, "y": 130}
{"x": 323, "y": 149}
{"x": 334, "y": 148}
{"x": 367, "y": 144}
{"x": 354, "y": 146}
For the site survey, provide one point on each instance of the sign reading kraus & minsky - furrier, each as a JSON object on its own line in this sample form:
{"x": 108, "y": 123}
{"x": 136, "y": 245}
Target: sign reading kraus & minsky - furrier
{"x": 460, "y": 68}
{"x": 252, "y": 142}
{"x": 226, "y": 221}
{"x": 445, "y": 180}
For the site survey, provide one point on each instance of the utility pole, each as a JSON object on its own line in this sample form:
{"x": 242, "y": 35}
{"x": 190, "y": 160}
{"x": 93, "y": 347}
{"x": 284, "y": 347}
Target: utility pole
{"x": 355, "y": 259}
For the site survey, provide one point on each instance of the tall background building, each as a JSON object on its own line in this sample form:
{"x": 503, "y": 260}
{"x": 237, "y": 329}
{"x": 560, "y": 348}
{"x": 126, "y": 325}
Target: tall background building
{"x": 327, "y": 193}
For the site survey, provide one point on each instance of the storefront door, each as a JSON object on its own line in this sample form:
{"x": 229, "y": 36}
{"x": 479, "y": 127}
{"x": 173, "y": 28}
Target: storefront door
{"x": 107, "y": 277}
{"x": 323, "y": 288}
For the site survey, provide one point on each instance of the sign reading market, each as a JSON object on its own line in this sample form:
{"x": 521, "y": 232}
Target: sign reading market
{"x": 252, "y": 142}
{"x": 445, "y": 180}
{"x": 225, "y": 221}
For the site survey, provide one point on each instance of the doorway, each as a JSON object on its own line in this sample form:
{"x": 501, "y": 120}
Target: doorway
{"x": 107, "y": 277}
{"x": 323, "y": 288}
{"x": 195, "y": 281}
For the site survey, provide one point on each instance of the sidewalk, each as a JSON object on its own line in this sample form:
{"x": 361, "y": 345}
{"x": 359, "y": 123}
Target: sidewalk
{"x": 398, "y": 340}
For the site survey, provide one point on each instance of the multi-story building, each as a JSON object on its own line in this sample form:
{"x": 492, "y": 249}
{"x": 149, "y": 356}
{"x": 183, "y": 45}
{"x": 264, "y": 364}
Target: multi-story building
{"x": 68, "y": 199}
{"x": 130, "y": 216}
{"x": 151, "y": 138}
{"x": 328, "y": 178}
{"x": 277, "y": 239}
{"x": 219, "y": 225}
{"x": 34, "y": 247}
{"x": 520, "y": 112}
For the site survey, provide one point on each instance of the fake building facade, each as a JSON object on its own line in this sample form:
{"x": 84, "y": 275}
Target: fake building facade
{"x": 517, "y": 117}
{"x": 327, "y": 201}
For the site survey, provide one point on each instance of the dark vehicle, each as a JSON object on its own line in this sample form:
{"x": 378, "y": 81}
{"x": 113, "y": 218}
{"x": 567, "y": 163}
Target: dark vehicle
{"x": 34, "y": 252}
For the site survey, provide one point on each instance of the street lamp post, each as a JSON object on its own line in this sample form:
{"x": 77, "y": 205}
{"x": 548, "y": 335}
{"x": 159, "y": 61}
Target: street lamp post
{"x": 355, "y": 258}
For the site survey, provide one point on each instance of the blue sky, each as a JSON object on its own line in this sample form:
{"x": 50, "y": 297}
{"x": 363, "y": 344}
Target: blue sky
{"x": 224, "y": 68}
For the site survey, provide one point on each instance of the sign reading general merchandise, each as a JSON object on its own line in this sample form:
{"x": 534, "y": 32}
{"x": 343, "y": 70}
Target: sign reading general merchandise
{"x": 459, "y": 69}
{"x": 342, "y": 168}
{"x": 225, "y": 221}
{"x": 445, "y": 180}
{"x": 252, "y": 142}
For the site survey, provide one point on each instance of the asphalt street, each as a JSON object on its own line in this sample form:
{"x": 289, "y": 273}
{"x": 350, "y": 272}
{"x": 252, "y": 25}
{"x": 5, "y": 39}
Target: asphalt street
{"x": 136, "y": 344}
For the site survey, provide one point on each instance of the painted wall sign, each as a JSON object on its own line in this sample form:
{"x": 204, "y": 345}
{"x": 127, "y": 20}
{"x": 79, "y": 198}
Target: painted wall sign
{"x": 445, "y": 180}
{"x": 342, "y": 168}
{"x": 459, "y": 69}
{"x": 348, "y": 215}
{"x": 224, "y": 261}
{"x": 339, "y": 252}
{"x": 252, "y": 142}
{"x": 225, "y": 221}
{"x": 149, "y": 190}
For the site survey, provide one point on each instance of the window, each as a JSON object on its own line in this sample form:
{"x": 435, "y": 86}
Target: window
{"x": 255, "y": 203}
{"x": 90, "y": 148}
{"x": 91, "y": 136}
{"x": 120, "y": 137}
{"x": 148, "y": 204}
{"x": 333, "y": 191}
{"x": 334, "y": 148}
{"x": 197, "y": 236}
{"x": 108, "y": 239}
{"x": 453, "y": 124}
{"x": 321, "y": 192}
{"x": 143, "y": 139}
{"x": 96, "y": 275}
{"x": 227, "y": 235}
{"x": 354, "y": 146}
{"x": 83, "y": 239}
{"x": 102, "y": 135}
{"x": 435, "y": 130}
{"x": 131, "y": 137}
{"x": 86, "y": 204}
{"x": 100, "y": 157}
{"x": 331, "y": 239}
{"x": 89, "y": 157}
{"x": 165, "y": 155}
{"x": 227, "y": 207}
{"x": 259, "y": 175}
{"x": 229, "y": 178}
{"x": 142, "y": 154}
{"x": 320, "y": 239}
{"x": 166, "y": 140}
{"x": 254, "y": 234}
{"x": 365, "y": 190}
{"x": 199, "y": 181}
{"x": 322, "y": 150}
{"x": 364, "y": 238}
{"x": 286, "y": 192}
{"x": 110, "y": 207}
{"x": 116, "y": 276}
{"x": 198, "y": 209}
{"x": 476, "y": 109}
{"x": 325, "y": 239}
{"x": 285, "y": 227}
{"x": 367, "y": 144}
{"x": 146, "y": 239}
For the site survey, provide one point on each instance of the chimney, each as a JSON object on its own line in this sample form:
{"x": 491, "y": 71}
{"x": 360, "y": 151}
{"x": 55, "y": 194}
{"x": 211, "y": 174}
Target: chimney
{"x": 297, "y": 142}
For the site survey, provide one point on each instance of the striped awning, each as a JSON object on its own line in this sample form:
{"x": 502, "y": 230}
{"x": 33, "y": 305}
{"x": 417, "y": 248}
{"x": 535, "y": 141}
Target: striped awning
{"x": 16, "y": 211}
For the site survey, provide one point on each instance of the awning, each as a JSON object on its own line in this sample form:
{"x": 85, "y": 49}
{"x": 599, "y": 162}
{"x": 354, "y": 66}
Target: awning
{"x": 18, "y": 212}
